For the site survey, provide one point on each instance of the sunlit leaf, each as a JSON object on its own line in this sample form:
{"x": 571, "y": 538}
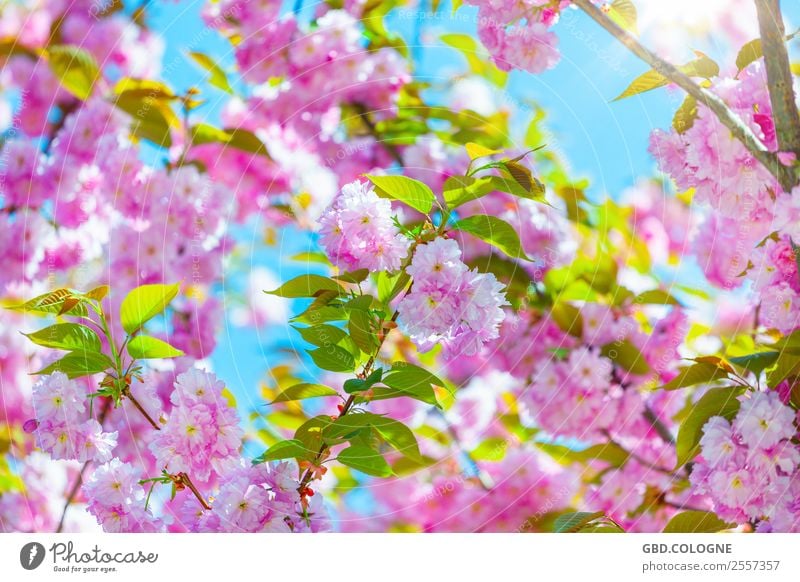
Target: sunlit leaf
{"x": 144, "y": 303}
{"x": 217, "y": 77}
{"x": 303, "y": 391}
{"x": 67, "y": 336}
{"x": 406, "y": 190}
{"x": 144, "y": 347}
{"x": 75, "y": 68}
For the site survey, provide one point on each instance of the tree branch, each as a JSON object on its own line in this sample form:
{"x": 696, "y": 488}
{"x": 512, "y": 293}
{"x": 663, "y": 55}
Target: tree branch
{"x": 728, "y": 118}
{"x": 779, "y": 75}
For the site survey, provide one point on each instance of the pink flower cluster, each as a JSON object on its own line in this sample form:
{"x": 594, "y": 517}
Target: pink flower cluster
{"x": 357, "y": 231}
{"x": 748, "y": 467}
{"x": 117, "y": 499}
{"x": 309, "y": 83}
{"x": 259, "y": 498}
{"x": 575, "y": 397}
{"x": 202, "y": 436}
{"x": 522, "y": 488}
{"x": 516, "y": 33}
{"x": 708, "y": 158}
{"x": 775, "y": 277}
{"x": 752, "y": 222}
{"x": 449, "y": 303}
{"x": 114, "y": 41}
{"x": 63, "y": 426}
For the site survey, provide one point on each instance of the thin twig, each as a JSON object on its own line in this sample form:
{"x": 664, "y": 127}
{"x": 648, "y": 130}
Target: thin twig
{"x": 728, "y": 118}
{"x": 141, "y": 409}
{"x": 186, "y": 480}
{"x": 659, "y": 426}
{"x": 779, "y": 75}
{"x": 391, "y": 148}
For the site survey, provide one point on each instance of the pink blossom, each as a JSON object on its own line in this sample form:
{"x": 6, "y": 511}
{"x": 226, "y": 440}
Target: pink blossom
{"x": 117, "y": 499}
{"x": 202, "y": 436}
{"x": 357, "y": 231}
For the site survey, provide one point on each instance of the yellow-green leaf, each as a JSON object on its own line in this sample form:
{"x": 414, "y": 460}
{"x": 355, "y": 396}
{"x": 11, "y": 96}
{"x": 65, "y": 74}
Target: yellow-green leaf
{"x": 145, "y": 302}
{"x": 144, "y": 347}
{"x": 217, "y": 76}
{"x": 303, "y": 391}
{"x": 75, "y": 68}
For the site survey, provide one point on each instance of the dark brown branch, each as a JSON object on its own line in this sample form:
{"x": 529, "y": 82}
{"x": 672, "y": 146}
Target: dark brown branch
{"x": 728, "y": 118}
{"x": 779, "y": 75}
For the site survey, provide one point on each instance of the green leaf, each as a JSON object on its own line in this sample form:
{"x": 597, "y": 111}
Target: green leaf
{"x": 359, "y": 385}
{"x": 79, "y": 363}
{"x": 143, "y": 88}
{"x": 364, "y": 459}
{"x": 686, "y": 115}
{"x": 476, "y": 150}
{"x": 575, "y": 521}
{"x": 786, "y": 366}
{"x": 696, "y": 522}
{"x": 238, "y": 138}
{"x": 522, "y": 176}
{"x": 623, "y": 12}
{"x": 66, "y": 336}
{"x": 398, "y": 436}
{"x": 458, "y": 190}
{"x": 355, "y": 277}
{"x": 749, "y": 53}
{"x": 492, "y": 449}
{"x": 627, "y": 356}
{"x": 702, "y": 66}
{"x": 361, "y": 330}
{"x": 306, "y": 286}
{"x": 390, "y": 286}
{"x": 611, "y": 453}
{"x": 716, "y": 402}
{"x": 309, "y": 433}
{"x": 645, "y": 82}
{"x": 474, "y": 54}
{"x": 53, "y": 302}
{"x": 411, "y": 192}
{"x": 288, "y": 449}
{"x": 752, "y": 51}
{"x": 494, "y": 231}
{"x": 98, "y": 293}
{"x": 333, "y": 359}
{"x": 151, "y": 119}
{"x": 756, "y": 363}
{"x": 217, "y": 77}
{"x": 699, "y": 373}
{"x": 568, "y": 318}
{"x": 144, "y": 347}
{"x": 75, "y": 68}
{"x": 303, "y": 391}
{"x": 322, "y": 335}
{"x": 415, "y": 381}
{"x": 656, "y": 297}
{"x": 144, "y": 303}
